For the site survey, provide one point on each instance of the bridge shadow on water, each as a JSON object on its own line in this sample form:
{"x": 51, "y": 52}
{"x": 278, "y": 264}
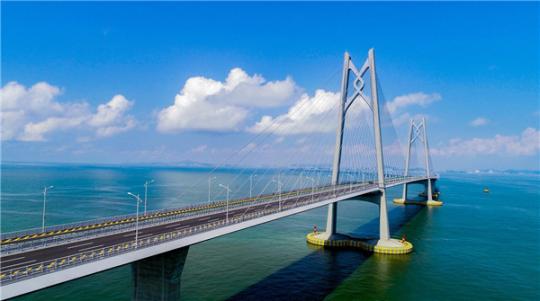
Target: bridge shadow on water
{"x": 316, "y": 275}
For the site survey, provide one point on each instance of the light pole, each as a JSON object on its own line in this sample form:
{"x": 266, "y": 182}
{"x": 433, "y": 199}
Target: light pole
{"x": 146, "y": 193}
{"x": 251, "y": 184}
{"x": 210, "y": 186}
{"x": 312, "y": 187}
{"x": 278, "y": 181}
{"x": 227, "y": 210}
{"x": 44, "y": 202}
{"x": 138, "y": 200}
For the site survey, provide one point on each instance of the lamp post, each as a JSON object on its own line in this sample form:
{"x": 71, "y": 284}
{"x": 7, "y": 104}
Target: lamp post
{"x": 227, "y": 210}
{"x": 138, "y": 200}
{"x": 210, "y": 186}
{"x": 251, "y": 184}
{"x": 44, "y": 204}
{"x": 146, "y": 193}
{"x": 278, "y": 181}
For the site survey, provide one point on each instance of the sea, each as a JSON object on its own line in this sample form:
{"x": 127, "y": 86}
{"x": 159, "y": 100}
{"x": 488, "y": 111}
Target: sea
{"x": 477, "y": 246}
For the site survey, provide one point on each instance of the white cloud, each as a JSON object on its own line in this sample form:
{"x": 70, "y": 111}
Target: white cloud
{"x": 419, "y": 98}
{"x": 29, "y": 114}
{"x": 111, "y": 111}
{"x": 525, "y": 144}
{"x": 207, "y": 104}
{"x": 303, "y": 117}
{"x": 36, "y": 99}
{"x": 480, "y": 121}
{"x": 36, "y": 131}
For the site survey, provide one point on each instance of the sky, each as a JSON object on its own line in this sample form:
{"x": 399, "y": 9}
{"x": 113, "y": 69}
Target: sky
{"x": 137, "y": 83}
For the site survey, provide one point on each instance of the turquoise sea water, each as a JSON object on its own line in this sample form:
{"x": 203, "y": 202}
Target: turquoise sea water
{"x": 477, "y": 246}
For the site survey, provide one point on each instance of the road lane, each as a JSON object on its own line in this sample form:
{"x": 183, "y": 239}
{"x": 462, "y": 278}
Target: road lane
{"x": 70, "y": 249}
{"x": 49, "y": 254}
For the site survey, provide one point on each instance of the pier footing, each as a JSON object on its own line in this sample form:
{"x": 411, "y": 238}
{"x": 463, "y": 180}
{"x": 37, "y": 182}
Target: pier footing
{"x": 158, "y": 277}
{"x": 421, "y": 203}
{"x": 390, "y": 246}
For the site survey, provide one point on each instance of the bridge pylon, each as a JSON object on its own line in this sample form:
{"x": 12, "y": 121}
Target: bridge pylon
{"x": 385, "y": 244}
{"x": 418, "y": 132}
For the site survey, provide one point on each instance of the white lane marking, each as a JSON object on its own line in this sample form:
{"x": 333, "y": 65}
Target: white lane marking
{"x": 76, "y": 246}
{"x": 20, "y": 263}
{"x": 89, "y": 248}
{"x": 4, "y": 261}
{"x": 146, "y": 235}
{"x": 171, "y": 226}
{"x": 182, "y": 227}
{"x": 128, "y": 235}
{"x": 215, "y": 220}
{"x": 204, "y": 219}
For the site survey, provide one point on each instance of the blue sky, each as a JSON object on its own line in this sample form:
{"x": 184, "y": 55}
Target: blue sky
{"x": 96, "y": 82}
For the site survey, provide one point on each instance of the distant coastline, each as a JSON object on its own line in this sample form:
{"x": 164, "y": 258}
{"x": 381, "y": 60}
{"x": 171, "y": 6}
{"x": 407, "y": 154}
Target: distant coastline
{"x": 206, "y": 166}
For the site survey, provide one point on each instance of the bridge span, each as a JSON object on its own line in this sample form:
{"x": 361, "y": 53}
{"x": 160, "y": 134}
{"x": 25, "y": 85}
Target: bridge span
{"x": 30, "y": 267}
{"x": 156, "y": 243}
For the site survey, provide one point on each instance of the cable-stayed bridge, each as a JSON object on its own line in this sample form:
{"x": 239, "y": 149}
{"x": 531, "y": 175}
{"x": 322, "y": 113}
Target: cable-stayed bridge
{"x": 156, "y": 242}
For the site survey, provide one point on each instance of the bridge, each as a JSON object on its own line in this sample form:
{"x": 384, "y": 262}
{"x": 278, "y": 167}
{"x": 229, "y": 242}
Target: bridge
{"x": 156, "y": 243}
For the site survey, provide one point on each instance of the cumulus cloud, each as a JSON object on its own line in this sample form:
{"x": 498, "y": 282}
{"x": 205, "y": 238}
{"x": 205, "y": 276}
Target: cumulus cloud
{"x": 525, "y": 144}
{"x": 419, "y": 98}
{"x": 29, "y": 114}
{"x": 480, "y": 121}
{"x": 110, "y": 118}
{"x": 207, "y": 104}
{"x": 303, "y": 117}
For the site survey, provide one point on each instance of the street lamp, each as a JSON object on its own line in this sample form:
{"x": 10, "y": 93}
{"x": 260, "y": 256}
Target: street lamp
{"x": 278, "y": 181}
{"x": 227, "y": 210}
{"x": 209, "y": 186}
{"x": 146, "y": 193}
{"x": 251, "y": 184}
{"x": 138, "y": 200}
{"x": 44, "y": 202}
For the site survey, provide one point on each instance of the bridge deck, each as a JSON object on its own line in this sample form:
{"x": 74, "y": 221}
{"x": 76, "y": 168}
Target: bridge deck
{"x": 53, "y": 256}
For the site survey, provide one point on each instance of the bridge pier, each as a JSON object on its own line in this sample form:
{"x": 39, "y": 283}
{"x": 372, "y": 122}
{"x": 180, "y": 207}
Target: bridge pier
{"x": 331, "y": 221}
{"x": 428, "y": 193}
{"x": 158, "y": 277}
{"x": 417, "y": 131}
{"x": 384, "y": 244}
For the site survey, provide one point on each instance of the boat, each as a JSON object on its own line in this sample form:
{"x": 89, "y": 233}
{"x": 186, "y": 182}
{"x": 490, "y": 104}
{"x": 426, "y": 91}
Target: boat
{"x": 486, "y": 190}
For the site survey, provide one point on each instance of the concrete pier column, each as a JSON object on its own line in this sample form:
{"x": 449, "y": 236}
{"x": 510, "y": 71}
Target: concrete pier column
{"x": 384, "y": 228}
{"x": 405, "y": 191}
{"x": 331, "y": 220}
{"x": 158, "y": 277}
{"x": 429, "y": 192}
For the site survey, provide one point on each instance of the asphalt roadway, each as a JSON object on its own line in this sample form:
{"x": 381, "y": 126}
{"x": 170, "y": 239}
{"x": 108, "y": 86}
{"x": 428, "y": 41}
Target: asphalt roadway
{"x": 51, "y": 253}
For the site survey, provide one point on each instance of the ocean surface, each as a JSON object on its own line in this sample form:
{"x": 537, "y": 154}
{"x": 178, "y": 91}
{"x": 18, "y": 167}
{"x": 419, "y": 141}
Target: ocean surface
{"x": 478, "y": 246}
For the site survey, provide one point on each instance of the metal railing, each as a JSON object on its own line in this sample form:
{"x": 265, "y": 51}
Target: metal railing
{"x": 49, "y": 266}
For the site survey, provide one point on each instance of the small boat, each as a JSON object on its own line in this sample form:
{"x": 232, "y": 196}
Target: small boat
{"x": 486, "y": 190}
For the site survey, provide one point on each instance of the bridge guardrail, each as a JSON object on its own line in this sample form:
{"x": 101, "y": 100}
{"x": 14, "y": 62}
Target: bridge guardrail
{"x": 49, "y": 266}
{"x": 199, "y": 210}
{"x": 149, "y": 220}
